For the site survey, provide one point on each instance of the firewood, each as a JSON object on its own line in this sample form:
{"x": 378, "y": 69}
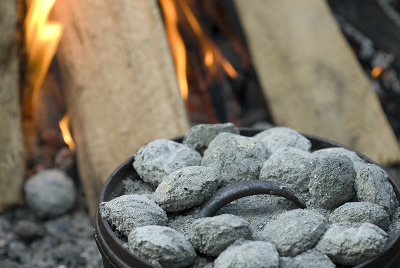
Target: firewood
{"x": 311, "y": 78}
{"x": 12, "y": 163}
{"x": 119, "y": 82}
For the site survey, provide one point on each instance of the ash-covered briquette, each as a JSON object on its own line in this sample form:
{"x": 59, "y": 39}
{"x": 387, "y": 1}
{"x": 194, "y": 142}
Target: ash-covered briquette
{"x": 278, "y": 137}
{"x": 212, "y": 235}
{"x": 50, "y": 193}
{"x": 308, "y": 259}
{"x": 332, "y": 181}
{"x": 289, "y": 166}
{"x": 372, "y": 185}
{"x": 160, "y": 158}
{"x": 295, "y": 231}
{"x": 357, "y": 161}
{"x": 129, "y": 211}
{"x": 352, "y": 243}
{"x": 394, "y": 227}
{"x": 248, "y": 254}
{"x": 200, "y": 136}
{"x": 236, "y": 158}
{"x": 186, "y": 187}
{"x": 161, "y": 245}
{"x": 361, "y": 212}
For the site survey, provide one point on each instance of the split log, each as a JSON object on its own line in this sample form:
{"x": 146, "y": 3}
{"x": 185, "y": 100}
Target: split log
{"x": 12, "y": 162}
{"x": 119, "y": 81}
{"x": 310, "y": 77}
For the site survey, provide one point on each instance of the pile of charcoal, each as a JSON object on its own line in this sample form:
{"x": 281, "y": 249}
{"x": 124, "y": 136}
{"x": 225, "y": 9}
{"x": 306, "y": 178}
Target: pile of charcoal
{"x": 351, "y": 211}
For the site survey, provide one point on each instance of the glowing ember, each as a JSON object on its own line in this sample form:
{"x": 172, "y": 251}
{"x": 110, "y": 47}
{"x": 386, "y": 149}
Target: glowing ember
{"x": 64, "y": 122}
{"x": 41, "y": 41}
{"x": 376, "y": 72}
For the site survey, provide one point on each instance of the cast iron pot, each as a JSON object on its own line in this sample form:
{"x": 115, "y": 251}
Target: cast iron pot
{"x": 115, "y": 255}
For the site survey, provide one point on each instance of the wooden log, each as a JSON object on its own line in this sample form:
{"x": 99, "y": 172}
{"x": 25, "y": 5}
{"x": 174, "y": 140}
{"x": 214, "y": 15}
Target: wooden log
{"x": 12, "y": 164}
{"x": 310, "y": 77}
{"x": 119, "y": 81}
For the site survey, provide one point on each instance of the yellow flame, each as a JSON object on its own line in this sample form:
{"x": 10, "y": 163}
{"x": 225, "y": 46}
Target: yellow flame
{"x": 64, "y": 122}
{"x": 41, "y": 40}
{"x": 376, "y": 72}
{"x": 176, "y": 44}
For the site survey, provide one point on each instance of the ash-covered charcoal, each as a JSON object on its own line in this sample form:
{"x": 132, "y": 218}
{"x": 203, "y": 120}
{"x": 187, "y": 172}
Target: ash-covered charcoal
{"x": 213, "y": 235}
{"x": 372, "y": 185}
{"x": 248, "y": 254}
{"x": 161, "y": 245}
{"x": 357, "y": 161}
{"x": 394, "y": 227}
{"x": 332, "y": 181}
{"x": 200, "y": 136}
{"x": 136, "y": 186}
{"x": 129, "y": 211}
{"x": 289, "y": 166}
{"x": 278, "y": 137}
{"x": 161, "y": 157}
{"x": 186, "y": 187}
{"x": 236, "y": 158}
{"x": 361, "y": 212}
{"x": 352, "y": 243}
{"x": 295, "y": 231}
{"x": 308, "y": 259}
{"x": 50, "y": 193}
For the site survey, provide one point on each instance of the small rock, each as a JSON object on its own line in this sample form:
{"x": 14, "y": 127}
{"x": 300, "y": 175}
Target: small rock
{"x": 357, "y": 161}
{"x": 28, "y": 230}
{"x": 199, "y": 136}
{"x": 289, "y": 166}
{"x": 332, "y": 181}
{"x": 160, "y": 158}
{"x": 278, "y": 137}
{"x": 213, "y": 235}
{"x": 236, "y": 158}
{"x": 361, "y": 212}
{"x": 308, "y": 259}
{"x": 129, "y": 211}
{"x": 352, "y": 243}
{"x": 50, "y": 193}
{"x": 161, "y": 245}
{"x": 186, "y": 188}
{"x": 295, "y": 231}
{"x": 248, "y": 254}
{"x": 372, "y": 185}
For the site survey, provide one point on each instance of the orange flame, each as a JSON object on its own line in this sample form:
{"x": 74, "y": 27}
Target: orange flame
{"x": 41, "y": 40}
{"x": 211, "y": 55}
{"x": 176, "y": 44}
{"x": 64, "y": 123}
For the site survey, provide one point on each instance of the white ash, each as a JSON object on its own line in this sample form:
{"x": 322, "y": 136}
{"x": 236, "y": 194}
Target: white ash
{"x": 308, "y": 259}
{"x": 129, "y": 211}
{"x": 199, "y": 136}
{"x": 50, "y": 193}
{"x": 394, "y": 227}
{"x": 137, "y": 186}
{"x": 352, "y": 243}
{"x": 186, "y": 188}
{"x": 289, "y": 166}
{"x": 332, "y": 181}
{"x": 361, "y": 212}
{"x": 248, "y": 254}
{"x": 357, "y": 161}
{"x": 236, "y": 158}
{"x": 213, "y": 235}
{"x": 160, "y": 158}
{"x": 161, "y": 245}
{"x": 372, "y": 185}
{"x": 295, "y": 231}
{"x": 278, "y": 137}
{"x": 258, "y": 210}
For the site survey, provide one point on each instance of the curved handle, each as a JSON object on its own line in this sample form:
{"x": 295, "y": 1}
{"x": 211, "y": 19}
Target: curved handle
{"x": 247, "y": 188}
